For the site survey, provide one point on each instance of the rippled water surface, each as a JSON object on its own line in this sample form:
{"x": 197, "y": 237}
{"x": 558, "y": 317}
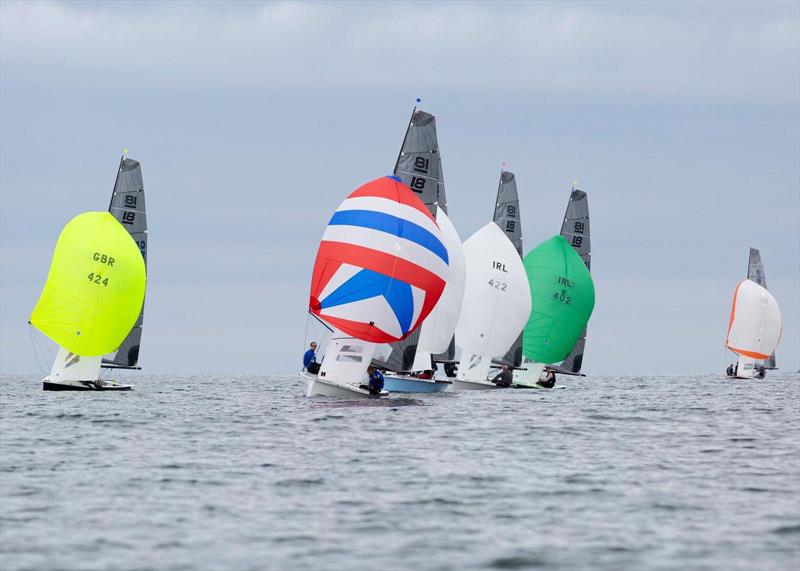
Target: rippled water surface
{"x": 243, "y": 472}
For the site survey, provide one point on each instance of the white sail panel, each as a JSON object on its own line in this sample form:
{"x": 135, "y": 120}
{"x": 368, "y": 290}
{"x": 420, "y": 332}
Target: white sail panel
{"x": 68, "y": 366}
{"x": 346, "y": 359}
{"x": 438, "y": 328}
{"x": 497, "y": 297}
{"x": 754, "y": 329}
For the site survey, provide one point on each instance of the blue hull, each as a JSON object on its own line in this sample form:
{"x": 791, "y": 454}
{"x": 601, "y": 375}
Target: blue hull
{"x": 408, "y": 385}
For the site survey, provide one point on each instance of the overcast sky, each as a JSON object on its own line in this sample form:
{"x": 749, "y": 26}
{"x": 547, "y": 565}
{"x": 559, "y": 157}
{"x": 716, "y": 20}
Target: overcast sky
{"x": 252, "y": 121}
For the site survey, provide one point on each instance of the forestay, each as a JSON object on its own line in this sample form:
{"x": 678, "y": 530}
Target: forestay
{"x": 754, "y": 329}
{"x": 128, "y": 206}
{"x": 575, "y": 230}
{"x": 507, "y": 218}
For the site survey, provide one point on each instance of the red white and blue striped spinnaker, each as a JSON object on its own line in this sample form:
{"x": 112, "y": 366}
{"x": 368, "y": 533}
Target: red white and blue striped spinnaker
{"x": 381, "y": 265}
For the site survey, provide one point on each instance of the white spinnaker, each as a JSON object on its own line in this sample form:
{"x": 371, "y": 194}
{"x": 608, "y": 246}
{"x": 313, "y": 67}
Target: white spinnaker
{"x": 346, "y": 359}
{"x": 439, "y": 326}
{"x": 755, "y": 326}
{"x": 497, "y": 297}
{"x": 70, "y": 367}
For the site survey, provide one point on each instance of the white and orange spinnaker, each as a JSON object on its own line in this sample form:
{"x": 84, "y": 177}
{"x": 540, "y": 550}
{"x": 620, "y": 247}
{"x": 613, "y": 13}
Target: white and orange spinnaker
{"x": 754, "y": 329}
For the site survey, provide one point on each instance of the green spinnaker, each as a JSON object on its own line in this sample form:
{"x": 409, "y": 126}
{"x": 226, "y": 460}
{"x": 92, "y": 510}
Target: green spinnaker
{"x": 562, "y": 292}
{"x": 95, "y": 287}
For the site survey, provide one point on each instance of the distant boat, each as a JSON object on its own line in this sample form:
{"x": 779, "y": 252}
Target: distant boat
{"x": 497, "y": 302}
{"x": 575, "y": 230}
{"x": 419, "y": 165}
{"x": 754, "y": 328}
{"x": 93, "y": 301}
{"x": 380, "y": 269}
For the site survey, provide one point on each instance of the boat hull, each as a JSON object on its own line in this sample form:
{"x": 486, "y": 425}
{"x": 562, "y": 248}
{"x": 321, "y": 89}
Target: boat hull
{"x": 463, "y": 385}
{"x": 324, "y": 388}
{"x": 48, "y": 385}
{"x": 403, "y": 384}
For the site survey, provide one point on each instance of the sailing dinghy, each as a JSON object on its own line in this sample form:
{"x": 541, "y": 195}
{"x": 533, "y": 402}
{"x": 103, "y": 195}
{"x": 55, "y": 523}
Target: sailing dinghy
{"x": 419, "y": 166}
{"x": 92, "y": 302}
{"x": 497, "y": 302}
{"x": 575, "y": 231}
{"x": 380, "y": 269}
{"x": 754, "y": 329}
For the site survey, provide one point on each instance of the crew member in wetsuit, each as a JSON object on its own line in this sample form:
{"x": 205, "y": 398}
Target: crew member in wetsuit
{"x": 310, "y": 359}
{"x": 548, "y": 379}
{"x": 450, "y": 370}
{"x": 761, "y": 372}
{"x": 504, "y": 378}
{"x": 375, "y": 385}
{"x": 729, "y": 371}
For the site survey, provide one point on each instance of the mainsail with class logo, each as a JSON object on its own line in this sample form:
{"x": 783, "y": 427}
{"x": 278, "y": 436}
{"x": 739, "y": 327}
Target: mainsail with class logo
{"x": 93, "y": 297}
{"x": 380, "y": 269}
{"x": 755, "y": 272}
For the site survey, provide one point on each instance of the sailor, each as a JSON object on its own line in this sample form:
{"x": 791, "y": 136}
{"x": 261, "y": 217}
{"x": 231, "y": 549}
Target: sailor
{"x": 729, "y": 371}
{"x": 761, "y": 372}
{"x": 547, "y": 379}
{"x": 310, "y": 359}
{"x": 504, "y": 378}
{"x": 425, "y": 375}
{"x": 450, "y": 370}
{"x": 375, "y": 381}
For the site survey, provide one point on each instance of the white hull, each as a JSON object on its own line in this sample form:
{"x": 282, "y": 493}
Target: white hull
{"x": 327, "y": 388}
{"x": 464, "y": 385}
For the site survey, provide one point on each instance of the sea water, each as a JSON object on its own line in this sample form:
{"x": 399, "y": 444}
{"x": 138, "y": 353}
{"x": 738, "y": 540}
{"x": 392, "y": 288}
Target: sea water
{"x": 244, "y": 472}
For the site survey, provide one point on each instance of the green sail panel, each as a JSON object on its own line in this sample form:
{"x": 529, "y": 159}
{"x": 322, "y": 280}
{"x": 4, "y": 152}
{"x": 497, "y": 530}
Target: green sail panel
{"x": 562, "y": 292}
{"x": 95, "y": 288}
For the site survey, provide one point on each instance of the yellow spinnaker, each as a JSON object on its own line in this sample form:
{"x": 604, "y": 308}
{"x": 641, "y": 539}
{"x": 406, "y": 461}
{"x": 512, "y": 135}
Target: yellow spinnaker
{"x": 95, "y": 288}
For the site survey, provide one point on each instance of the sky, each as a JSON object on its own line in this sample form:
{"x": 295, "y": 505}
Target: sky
{"x": 253, "y": 121}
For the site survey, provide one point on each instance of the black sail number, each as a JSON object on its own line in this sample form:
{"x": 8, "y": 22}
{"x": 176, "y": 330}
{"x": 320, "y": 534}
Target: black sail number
{"x": 98, "y": 279}
{"x": 497, "y": 284}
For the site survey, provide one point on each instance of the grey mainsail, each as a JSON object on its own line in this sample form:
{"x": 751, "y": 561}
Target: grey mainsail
{"x": 507, "y": 217}
{"x": 127, "y": 205}
{"x": 755, "y": 272}
{"x": 419, "y": 165}
{"x": 575, "y": 230}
